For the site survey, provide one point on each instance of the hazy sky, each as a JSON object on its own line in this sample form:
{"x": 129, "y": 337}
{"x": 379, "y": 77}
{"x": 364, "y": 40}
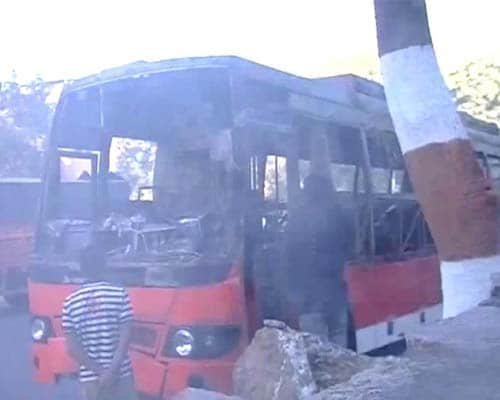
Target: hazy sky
{"x": 71, "y": 38}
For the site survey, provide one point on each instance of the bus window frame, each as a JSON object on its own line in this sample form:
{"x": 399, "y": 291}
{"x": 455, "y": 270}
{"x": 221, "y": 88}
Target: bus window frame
{"x": 55, "y": 182}
{"x": 483, "y": 158}
{"x": 490, "y": 172}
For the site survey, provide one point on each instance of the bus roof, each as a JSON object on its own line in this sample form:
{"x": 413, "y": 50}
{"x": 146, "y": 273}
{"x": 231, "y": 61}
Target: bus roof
{"x": 329, "y": 88}
{"x": 350, "y": 99}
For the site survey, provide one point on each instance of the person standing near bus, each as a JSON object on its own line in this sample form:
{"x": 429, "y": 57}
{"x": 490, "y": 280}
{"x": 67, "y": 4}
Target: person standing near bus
{"x": 318, "y": 247}
{"x": 96, "y": 321}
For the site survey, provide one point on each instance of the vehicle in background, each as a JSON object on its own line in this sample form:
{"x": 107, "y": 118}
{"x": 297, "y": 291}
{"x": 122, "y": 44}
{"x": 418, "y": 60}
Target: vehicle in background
{"x": 18, "y": 209}
{"x": 19, "y": 201}
{"x": 224, "y": 146}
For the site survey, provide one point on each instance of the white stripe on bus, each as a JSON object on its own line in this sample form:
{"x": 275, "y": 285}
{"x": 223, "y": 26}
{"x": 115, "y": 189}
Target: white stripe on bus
{"x": 378, "y": 335}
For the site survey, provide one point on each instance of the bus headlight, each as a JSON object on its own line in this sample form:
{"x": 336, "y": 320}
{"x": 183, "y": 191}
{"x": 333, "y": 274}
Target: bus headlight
{"x": 40, "y": 329}
{"x": 202, "y": 341}
{"x": 183, "y": 342}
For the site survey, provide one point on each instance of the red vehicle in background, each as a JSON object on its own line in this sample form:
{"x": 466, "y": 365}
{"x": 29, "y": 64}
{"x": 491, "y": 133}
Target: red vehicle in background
{"x": 18, "y": 210}
{"x": 225, "y": 145}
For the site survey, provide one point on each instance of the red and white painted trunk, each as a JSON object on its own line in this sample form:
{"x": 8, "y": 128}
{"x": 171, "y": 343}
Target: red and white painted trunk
{"x": 456, "y": 198}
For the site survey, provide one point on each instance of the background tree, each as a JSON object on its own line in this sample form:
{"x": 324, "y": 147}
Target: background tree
{"x": 25, "y": 117}
{"x": 134, "y": 161}
{"x": 476, "y": 90}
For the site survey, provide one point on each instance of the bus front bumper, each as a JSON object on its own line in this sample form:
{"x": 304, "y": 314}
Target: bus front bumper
{"x": 154, "y": 378}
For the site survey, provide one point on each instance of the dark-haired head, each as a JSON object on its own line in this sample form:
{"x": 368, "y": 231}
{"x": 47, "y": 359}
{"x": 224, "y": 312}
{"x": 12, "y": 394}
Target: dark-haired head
{"x": 93, "y": 262}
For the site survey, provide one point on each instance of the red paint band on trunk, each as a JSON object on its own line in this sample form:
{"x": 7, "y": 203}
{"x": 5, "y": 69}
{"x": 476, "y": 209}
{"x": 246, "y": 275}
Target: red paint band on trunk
{"x": 456, "y": 198}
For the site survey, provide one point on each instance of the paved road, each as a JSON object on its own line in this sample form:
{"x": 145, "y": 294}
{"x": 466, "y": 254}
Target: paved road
{"x": 16, "y": 381}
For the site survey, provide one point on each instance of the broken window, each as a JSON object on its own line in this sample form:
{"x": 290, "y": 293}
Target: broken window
{"x": 344, "y": 176}
{"x": 275, "y": 183}
{"x": 73, "y": 169}
{"x": 134, "y": 161}
{"x": 74, "y": 185}
{"x": 397, "y": 178}
{"x": 381, "y": 180}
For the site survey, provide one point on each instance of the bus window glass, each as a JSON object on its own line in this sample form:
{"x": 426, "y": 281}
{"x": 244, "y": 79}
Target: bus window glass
{"x": 73, "y": 169}
{"x": 134, "y": 161}
{"x": 343, "y": 177}
{"x": 74, "y": 190}
{"x": 381, "y": 178}
{"x": 361, "y": 181}
{"x": 304, "y": 171}
{"x": 397, "y": 181}
{"x": 275, "y": 183}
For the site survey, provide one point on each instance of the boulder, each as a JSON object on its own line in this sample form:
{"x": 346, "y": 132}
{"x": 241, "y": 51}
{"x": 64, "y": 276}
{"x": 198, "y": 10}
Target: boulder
{"x": 386, "y": 378}
{"x": 283, "y": 364}
{"x": 274, "y": 366}
{"x": 201, "y": 394}
{"x": 332, "y": 364}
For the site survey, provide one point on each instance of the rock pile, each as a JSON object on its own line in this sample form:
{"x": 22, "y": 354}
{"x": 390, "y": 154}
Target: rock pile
{"x": 283, "y": 364}
{"x": 275, "y": 366}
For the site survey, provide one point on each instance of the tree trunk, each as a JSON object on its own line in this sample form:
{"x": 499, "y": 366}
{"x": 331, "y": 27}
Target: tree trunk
{"x": 456, "y": 198}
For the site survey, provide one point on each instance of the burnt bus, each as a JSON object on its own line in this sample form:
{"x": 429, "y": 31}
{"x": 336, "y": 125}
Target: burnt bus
{"x": 224, "y": 145}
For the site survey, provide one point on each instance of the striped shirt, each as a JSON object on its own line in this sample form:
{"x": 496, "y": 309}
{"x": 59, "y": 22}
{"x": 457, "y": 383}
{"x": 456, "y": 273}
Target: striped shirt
{"x": 94, "y": 315}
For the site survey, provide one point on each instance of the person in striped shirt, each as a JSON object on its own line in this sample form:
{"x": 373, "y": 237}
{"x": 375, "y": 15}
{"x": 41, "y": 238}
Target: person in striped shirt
{"x": 96, "y": 321}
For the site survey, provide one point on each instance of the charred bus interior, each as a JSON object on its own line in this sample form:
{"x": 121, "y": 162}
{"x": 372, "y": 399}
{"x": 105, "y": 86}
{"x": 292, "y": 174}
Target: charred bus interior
{"x": 387, "y": 223}
{"x": 160, "y": 234}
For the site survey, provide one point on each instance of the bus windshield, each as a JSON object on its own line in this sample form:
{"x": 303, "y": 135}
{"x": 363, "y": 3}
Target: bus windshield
{"x": 153, "y": 185}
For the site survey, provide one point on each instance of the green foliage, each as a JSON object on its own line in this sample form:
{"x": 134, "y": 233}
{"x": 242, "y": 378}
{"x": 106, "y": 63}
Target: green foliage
{"x": 474, "y": 87}
{"x": 24, "y": 124}
{"x": 134, "y": 161}
{"x": 476, "y": 90}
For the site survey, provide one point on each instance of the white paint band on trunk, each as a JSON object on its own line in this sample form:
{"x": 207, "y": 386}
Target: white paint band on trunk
{"x": 466, "y": 283}
{"x": 421, "y": 107}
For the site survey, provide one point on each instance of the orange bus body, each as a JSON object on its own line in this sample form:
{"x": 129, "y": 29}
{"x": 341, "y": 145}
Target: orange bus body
{"x": 155, "y": 310}
{"x": 372, "y": 290}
